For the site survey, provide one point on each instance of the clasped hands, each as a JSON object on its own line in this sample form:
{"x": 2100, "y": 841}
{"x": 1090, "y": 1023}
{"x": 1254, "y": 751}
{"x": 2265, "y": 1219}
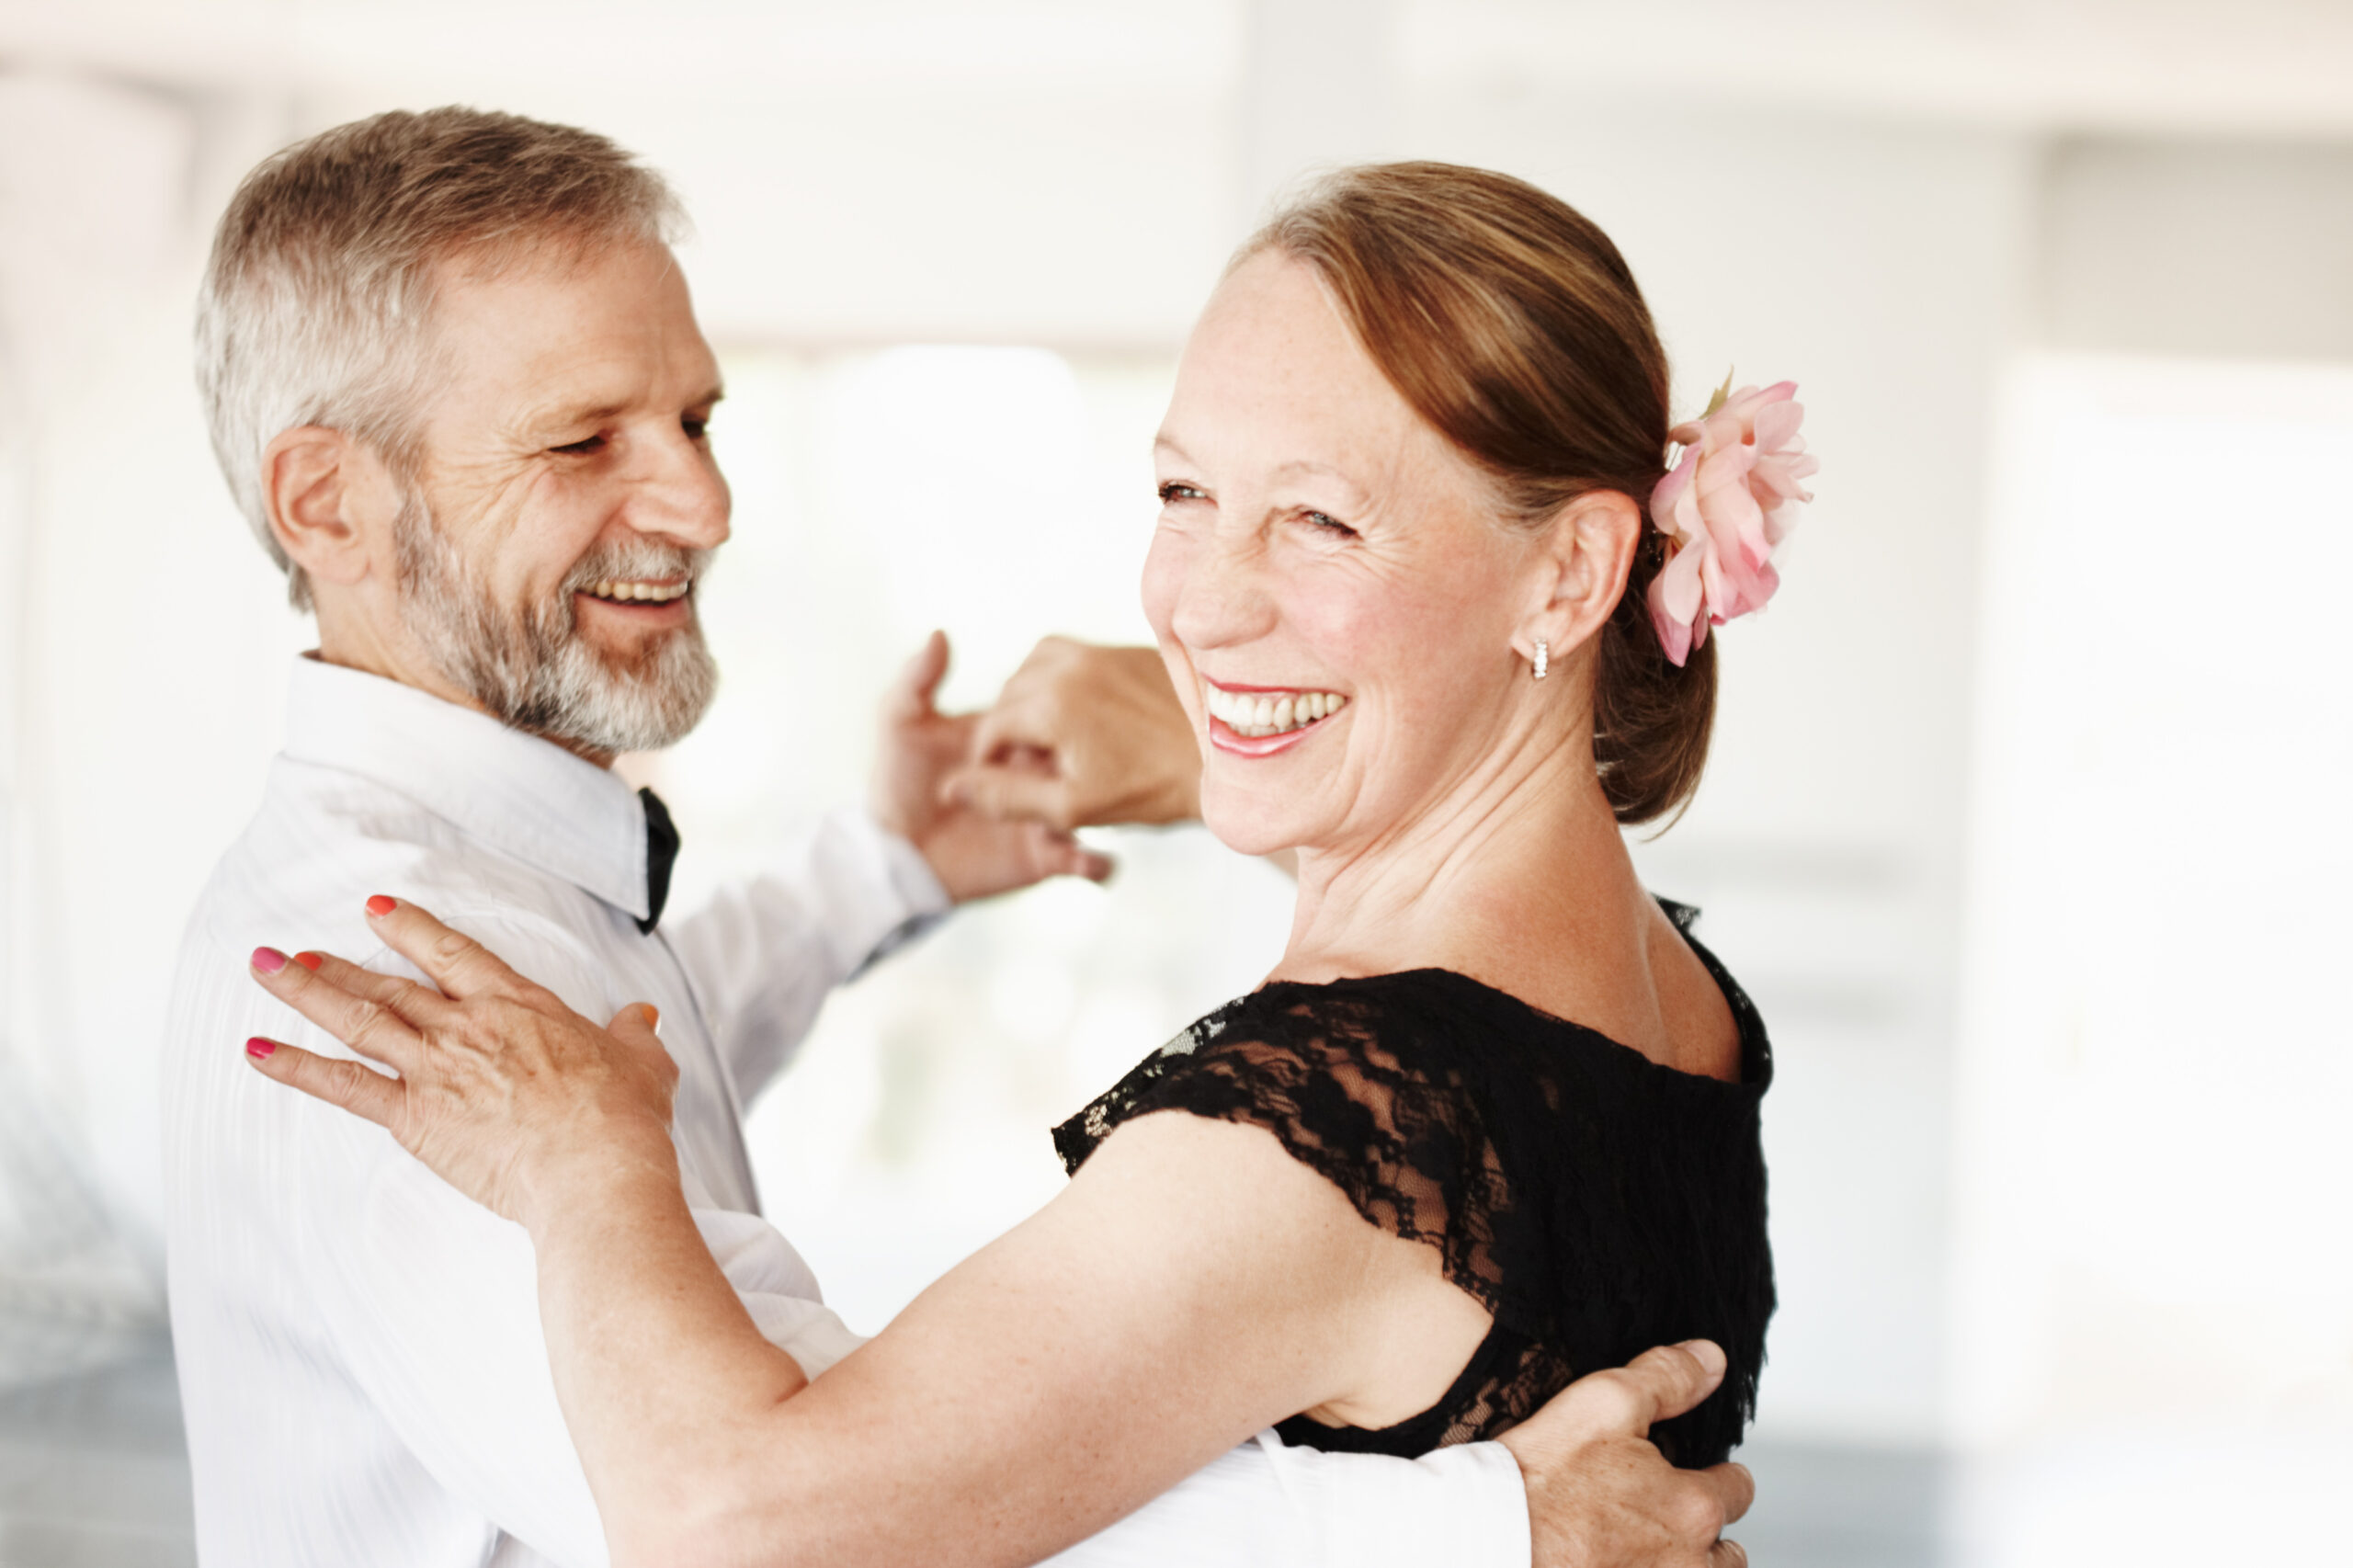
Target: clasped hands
{"x": 1081, "y": 736}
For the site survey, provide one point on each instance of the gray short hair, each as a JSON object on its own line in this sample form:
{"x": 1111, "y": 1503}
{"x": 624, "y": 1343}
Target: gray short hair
{"x": 316, "y": 304}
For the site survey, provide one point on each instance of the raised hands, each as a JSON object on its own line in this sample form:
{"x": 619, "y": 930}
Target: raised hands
{"x": 1084, "y": 736}
{"x": 504, "y": 1091}
{"x": 973, "y": 852}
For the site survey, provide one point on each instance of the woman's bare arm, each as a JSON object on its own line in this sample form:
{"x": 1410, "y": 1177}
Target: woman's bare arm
{"x": 1192, "y": 1286}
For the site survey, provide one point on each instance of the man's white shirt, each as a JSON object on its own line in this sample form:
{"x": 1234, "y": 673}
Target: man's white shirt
{"x": 360, "y": 1356}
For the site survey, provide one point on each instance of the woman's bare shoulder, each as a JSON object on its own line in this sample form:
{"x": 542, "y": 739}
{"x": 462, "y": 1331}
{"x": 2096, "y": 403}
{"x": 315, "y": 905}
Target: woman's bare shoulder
{"x": 1701, "y": 1036}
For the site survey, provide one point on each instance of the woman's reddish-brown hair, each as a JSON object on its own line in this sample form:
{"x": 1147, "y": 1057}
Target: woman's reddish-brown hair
{"x": 1513, "y": 326}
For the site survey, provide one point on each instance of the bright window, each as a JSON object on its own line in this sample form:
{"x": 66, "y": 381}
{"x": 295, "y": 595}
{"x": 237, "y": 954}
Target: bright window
{"x": 2158, "y": 1062}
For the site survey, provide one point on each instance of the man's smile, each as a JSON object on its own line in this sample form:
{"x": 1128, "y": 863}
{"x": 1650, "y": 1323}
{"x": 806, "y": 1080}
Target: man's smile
{"x": 648, "y": 605}
{"x": 628, "y": 591}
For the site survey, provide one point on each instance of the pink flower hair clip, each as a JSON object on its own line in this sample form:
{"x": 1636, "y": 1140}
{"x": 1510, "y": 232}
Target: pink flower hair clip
{"x": 1726, "y": 505}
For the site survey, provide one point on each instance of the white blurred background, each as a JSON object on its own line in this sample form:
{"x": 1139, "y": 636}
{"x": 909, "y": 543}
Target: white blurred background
{"x": 2026, "y": 822}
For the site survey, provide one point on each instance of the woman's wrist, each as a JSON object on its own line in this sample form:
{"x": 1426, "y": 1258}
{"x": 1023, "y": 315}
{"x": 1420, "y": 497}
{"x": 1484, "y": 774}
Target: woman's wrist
{"x": 597, "y": 1180}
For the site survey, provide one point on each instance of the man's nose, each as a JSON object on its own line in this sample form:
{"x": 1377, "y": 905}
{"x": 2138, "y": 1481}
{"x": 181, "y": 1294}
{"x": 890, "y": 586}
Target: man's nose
{"x": 677, "y": 490}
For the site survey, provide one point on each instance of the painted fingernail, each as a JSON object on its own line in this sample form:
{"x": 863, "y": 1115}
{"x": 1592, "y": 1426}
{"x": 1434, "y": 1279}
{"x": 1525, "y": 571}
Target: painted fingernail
{"x": 258, "y": 1046}
{"x": 653, "y": 1015}
{"x": 381, "y": 906}
{"x": 309, "y": 960}
{"x": 269, "y": 961}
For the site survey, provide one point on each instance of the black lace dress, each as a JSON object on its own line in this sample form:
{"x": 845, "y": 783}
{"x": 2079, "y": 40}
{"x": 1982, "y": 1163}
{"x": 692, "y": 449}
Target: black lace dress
{"x": 1594, "y": 1201}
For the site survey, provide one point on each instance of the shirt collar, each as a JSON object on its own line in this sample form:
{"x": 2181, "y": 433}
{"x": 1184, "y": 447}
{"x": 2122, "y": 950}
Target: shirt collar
{"x": 522, "y": 795}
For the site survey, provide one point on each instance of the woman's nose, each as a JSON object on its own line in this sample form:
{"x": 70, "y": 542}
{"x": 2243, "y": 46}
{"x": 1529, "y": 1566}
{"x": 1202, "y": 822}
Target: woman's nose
{"x": 1225, "y": 597}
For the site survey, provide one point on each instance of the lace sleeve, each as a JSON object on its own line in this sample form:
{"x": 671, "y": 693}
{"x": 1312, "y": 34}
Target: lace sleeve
{"x": 1349, "y": 1095}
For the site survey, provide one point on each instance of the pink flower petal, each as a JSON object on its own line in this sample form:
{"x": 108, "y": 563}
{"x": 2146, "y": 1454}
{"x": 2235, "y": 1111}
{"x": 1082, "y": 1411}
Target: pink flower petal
{"x": 1670, "y": 490}
{"x": 1677, "y": 589}
{"x": 1673, "y": 634}
{"x": 1778, "y": 423}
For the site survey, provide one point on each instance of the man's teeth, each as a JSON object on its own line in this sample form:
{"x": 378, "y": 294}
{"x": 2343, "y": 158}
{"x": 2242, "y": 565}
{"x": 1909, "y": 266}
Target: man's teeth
{"x": 1255, "y": 713}
{"x": 649, "y": 593}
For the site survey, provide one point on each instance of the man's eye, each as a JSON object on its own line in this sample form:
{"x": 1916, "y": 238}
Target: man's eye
{"x": 580, "y": 449}
{"x": 696, "y": 429}
{"x": 1329, "y": 524}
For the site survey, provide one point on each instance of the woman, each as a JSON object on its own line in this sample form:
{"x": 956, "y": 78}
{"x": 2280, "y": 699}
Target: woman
{"x": 1402, "y": 585}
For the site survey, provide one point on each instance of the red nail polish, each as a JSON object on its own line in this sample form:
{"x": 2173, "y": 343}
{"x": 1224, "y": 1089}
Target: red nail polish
{"x": 269, "y": 961}
{"x": 381, "y": 906}
{"x": 309, "y": 960}
{"x": 258, "y": 1046}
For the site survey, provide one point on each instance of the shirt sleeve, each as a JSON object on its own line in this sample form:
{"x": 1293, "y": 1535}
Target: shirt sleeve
{"x": 764, "y": 955}
{"x": 432, "y": 1301}
{"x": 1265, "y": 1504}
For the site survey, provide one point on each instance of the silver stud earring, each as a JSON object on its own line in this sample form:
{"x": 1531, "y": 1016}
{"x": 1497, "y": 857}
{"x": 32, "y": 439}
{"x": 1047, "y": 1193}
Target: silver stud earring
{"x": 1543, "y": 658}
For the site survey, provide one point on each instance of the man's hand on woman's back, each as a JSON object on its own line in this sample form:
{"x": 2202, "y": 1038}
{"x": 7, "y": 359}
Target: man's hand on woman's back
{"x": 1601, "y": 1495}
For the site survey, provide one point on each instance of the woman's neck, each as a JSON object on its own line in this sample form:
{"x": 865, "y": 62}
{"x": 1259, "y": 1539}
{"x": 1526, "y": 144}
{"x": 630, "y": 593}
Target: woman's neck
{"x": 1519, "y": 866}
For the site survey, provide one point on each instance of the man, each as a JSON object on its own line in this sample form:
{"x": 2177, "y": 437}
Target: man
{"x": 456, "y": 384}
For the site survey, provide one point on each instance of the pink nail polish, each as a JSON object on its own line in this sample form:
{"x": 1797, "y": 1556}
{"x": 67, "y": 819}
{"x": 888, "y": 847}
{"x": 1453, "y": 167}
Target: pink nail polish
{"x": 269, "y": 961}
{"x": 258, "y": 1046}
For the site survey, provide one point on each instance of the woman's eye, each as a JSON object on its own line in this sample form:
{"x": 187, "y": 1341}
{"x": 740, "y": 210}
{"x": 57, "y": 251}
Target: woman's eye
{"x": 696, "y": 429}
{"x": 1329, "y": 524}
{"x": 1174, "y": 491}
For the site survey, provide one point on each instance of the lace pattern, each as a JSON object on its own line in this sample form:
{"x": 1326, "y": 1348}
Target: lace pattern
{"x": 1594, "y": 1202}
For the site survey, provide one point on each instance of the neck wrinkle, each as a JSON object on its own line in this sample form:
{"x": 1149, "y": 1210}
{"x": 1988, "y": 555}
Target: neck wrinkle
{"x": 1394, "y": 903}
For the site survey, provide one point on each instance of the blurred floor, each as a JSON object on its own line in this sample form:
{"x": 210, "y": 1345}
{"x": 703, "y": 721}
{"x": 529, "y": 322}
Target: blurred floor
{"x": 94, "y": 1474}
{"x": 1826, "y": 1506}
{"x": 93, "y": 1469}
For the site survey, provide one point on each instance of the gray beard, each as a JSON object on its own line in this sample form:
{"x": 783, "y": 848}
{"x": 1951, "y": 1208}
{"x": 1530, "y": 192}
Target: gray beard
{"x": 530, "y": 668}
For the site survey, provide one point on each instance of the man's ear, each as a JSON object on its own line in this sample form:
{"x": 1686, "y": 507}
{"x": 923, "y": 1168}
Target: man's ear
{"x": 330, "y": 501}
{"x": 1580, "y": 564}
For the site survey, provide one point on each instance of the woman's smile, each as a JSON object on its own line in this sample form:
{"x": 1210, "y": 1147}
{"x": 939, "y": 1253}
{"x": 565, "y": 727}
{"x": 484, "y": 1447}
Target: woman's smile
{"x": 1258, "y": 720}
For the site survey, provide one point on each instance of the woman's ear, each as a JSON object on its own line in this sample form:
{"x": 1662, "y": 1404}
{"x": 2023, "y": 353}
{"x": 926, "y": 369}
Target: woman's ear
{"x": 330, "y": 502}
{"x": 1581, "y": 562}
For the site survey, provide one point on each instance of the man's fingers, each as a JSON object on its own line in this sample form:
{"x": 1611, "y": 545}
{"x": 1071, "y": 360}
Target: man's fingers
{"x": 1733, "y": 1487}
{"x": 460, "y": 966}
{"x": 353, "y": 1085}
{"x": 1018, "y": 720}
{"x": 1060, "y": 855}
{"x": 911, "y": 696}
{"x": 1013, "y": 794}
{"x": 1671, "y": 1379}
{"x": 370, "y": 1027}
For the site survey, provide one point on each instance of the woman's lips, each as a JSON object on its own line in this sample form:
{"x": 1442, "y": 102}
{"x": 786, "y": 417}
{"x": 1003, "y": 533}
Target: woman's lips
{"x": 1226, "y": 738}
{"x": 1258, "y": 720}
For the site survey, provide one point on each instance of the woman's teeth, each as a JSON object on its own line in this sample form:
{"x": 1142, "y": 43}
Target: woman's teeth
{"x": 1255, "y": 713}
{"x": 643, "y": 592}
